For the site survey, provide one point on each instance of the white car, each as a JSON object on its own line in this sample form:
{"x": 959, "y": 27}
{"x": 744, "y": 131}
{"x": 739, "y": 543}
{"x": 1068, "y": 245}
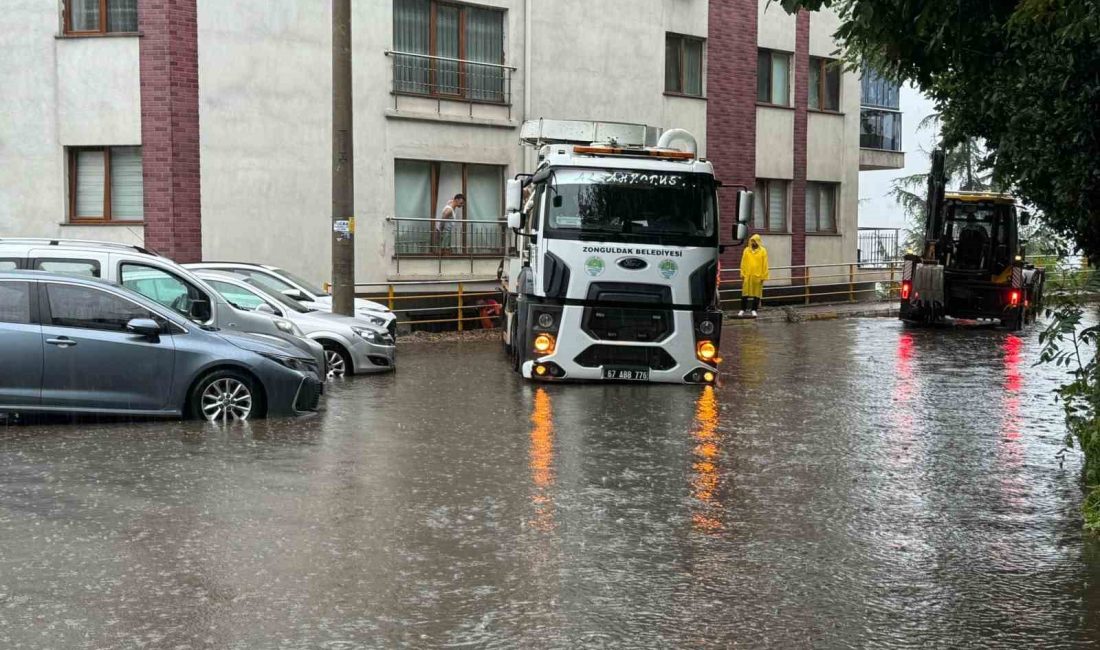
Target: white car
{"x": 352, "y": 345}
{"x": 305, "y": 292}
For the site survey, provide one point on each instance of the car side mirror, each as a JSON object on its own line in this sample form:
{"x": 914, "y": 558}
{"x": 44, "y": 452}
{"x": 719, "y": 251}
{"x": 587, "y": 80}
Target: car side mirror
{"x": 513, "y": 196}
{"x": 295, "y": 294}
{"x": 199, "y": 310}
{"x": 146, "y": 327}
{"x": 265, "y": 308}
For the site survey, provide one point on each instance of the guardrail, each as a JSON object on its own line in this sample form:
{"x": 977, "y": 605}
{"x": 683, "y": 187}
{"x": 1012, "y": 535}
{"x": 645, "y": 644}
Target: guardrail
{"x": 825, "y": 283}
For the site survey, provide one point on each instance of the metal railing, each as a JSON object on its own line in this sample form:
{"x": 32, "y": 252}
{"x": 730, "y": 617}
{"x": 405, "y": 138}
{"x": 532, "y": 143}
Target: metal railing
{"x": 446, "y": 78}
{"x": 808, "y": 283}
{"x": 440, "y": 239}
{"x": 479, "y": 307}
{"x": 877, "y": 247}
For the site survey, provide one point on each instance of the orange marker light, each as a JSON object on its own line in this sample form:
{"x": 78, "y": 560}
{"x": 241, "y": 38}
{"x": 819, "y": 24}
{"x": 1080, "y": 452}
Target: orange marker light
{"x": 544, "y": 344}
{"x": 706, "y": 351}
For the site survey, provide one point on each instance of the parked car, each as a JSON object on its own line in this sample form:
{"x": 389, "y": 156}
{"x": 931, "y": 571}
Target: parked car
{"x": 154, "y": 276}
{"x": 352, "y": 345}
{"x": 75, "y": 344}
{"x": 305, "y": 292}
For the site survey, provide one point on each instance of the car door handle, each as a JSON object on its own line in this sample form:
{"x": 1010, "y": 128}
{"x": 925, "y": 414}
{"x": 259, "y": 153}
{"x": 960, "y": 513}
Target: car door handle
{"x": 63, "y": 342}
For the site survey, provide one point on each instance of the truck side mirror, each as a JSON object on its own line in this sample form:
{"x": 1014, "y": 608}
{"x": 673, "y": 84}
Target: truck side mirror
{"x": 515, "y": 220}
{"x": 744, "y": 215}
{"x": 513, "y": 196}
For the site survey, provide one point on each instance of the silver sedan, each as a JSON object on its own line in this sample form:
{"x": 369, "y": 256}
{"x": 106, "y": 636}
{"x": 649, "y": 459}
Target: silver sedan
{"x": 352, "y": 345}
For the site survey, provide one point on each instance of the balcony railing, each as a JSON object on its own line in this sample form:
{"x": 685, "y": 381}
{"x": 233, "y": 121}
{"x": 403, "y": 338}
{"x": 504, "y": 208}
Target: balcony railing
{"x": 441, "y": 77}
{"x": 880, "y": 128}
{"x": 443, "y": 239}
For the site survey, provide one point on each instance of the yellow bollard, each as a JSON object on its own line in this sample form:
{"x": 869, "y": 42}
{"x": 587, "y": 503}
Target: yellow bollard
{"x": 391, "y": 297}
{"x": 851, "y": 283}
{"x": 460, "y": 306}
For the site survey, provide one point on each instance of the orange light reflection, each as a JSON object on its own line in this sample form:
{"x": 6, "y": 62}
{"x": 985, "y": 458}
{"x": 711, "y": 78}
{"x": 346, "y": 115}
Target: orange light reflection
{"x": 541, "y": 460}
{"x": 704, "y": 484}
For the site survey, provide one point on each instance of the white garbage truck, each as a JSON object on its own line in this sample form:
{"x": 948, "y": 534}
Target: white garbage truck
{"x": 612, "y": 269}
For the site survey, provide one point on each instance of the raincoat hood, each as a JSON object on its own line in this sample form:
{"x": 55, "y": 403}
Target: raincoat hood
{"x": 756, "y": 238}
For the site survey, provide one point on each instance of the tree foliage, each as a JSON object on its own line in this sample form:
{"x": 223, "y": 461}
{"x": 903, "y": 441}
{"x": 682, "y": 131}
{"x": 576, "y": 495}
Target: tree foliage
{"x": 1023, "y": 76}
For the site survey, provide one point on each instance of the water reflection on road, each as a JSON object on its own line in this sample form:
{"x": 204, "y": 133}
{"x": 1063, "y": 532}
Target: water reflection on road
{"x": 849, "y": 484}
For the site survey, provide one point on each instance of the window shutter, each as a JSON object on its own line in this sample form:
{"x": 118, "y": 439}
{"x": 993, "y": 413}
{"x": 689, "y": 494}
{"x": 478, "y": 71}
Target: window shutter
{"x": 90, "y": 184}
{"x": 127, "y": 194}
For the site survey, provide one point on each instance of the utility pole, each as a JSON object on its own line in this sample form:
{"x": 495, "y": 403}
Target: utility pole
{"x": 343, "y": 182}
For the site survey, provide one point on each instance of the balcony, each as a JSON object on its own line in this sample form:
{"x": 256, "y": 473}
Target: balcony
{"x": 879, "y": 123}
{"x": 447, "y": 87}
{"x": 443, "y": 242}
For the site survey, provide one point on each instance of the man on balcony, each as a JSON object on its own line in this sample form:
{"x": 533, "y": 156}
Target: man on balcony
{"x": 445, "y": 224}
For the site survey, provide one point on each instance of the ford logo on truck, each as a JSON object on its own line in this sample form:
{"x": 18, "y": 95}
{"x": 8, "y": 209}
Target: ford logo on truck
{"x": 632, "y": 263}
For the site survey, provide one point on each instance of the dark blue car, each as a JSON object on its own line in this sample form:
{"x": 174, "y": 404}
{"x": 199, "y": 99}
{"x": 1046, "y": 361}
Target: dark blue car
{"x": 70, "y": 344}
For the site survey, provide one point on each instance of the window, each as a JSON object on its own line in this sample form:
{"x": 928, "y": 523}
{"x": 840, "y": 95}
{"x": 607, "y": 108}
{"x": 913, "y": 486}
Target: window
{"x": 422, "y": 188}
{"x": 167, "y": 289}
{"x": 100, "y": 16}
{"x": 105, "y": 184}
{"x": 683, "y": 65}
{"x": 85, "y": 268}
{"x": 824, "y": 84}
{"x": 238, "y": 297}
{"x": 879, "y": 91}
{"x": 15, "y": 302}
{"x": 821, "y": 207}
{"x": 448, "y": 50}
{"x": 84, "y": 307}
{"x": 9, "y": 265}
{"x": 773, "y": 74}
{"x": 770, "y": 206}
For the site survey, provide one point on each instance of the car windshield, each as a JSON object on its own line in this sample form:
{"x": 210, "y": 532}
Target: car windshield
{"x": 628, "y": 205}
{"x": 283, "y": 300}
{"x": 305, "y": 284}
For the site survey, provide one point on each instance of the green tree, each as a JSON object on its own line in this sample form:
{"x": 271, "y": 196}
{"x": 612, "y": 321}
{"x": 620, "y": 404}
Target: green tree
{"x": 1021, "y": 76}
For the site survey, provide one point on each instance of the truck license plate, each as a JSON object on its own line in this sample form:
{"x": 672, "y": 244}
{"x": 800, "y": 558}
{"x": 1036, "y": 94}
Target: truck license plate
{"x": 626, "y": 374}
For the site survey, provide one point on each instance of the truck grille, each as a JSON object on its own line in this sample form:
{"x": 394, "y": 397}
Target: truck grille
{"x": 650, "y": 357}
{"x": 629, "y": 312}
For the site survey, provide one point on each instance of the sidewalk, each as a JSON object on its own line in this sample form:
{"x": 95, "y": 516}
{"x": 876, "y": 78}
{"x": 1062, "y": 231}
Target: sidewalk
{"x": 832, "y": 311}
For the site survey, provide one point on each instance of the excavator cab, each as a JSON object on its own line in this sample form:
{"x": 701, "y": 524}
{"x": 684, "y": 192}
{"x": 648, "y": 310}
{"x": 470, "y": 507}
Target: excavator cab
{"x": 980, "y": 234}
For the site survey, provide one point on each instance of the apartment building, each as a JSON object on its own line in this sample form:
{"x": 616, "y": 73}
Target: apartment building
{"x": 201, "y": 128}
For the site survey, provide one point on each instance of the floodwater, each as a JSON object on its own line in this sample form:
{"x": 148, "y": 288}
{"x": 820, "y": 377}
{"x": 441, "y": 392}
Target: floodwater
{"x": 850, "y": 484}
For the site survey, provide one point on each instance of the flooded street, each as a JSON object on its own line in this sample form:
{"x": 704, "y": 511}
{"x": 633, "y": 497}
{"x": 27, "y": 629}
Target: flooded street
{"x": 850, "y": 484}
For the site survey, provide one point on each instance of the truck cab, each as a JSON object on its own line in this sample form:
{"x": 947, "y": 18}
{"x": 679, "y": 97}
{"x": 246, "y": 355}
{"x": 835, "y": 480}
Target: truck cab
{"x": 613, "y": 272}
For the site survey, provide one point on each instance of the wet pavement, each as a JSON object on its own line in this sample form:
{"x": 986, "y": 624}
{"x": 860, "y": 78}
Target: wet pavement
{"x": 851, "y": 484}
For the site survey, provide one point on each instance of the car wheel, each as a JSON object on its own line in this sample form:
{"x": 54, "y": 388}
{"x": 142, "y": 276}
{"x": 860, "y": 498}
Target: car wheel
{"x": 225, "y": 395}
{"x": 338, "y": 361}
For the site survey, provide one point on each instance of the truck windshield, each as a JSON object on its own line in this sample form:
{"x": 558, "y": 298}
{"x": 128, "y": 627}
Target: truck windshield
{"x": 629, "y": 205}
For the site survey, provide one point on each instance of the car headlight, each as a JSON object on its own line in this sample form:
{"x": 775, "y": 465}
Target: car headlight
{"x": 294, "y": 363}
{"x": 288, "y": 327}
{"x": 373, "y": 318}
{"x": 368, "y": 334}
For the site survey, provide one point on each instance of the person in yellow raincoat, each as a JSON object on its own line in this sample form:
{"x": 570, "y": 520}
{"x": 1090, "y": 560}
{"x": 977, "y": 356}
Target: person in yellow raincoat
{"x": 754, "y": 270}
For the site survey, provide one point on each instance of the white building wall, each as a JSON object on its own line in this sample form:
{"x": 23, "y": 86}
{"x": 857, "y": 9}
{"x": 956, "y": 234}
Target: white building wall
{"x": 57, "y": 92}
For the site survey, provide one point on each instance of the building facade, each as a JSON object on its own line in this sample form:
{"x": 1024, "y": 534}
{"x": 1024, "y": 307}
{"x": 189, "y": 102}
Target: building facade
{"x": 202, "y": 128}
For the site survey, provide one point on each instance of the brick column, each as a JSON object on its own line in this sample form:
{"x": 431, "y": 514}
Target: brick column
{"x": 170, "y": 127}
{"x": 731, "y": 104}
{"x": 801, "y": 118}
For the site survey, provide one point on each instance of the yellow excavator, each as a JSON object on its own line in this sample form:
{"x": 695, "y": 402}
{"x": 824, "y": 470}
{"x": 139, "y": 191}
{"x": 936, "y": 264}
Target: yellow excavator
{"x": 973, "y": 262}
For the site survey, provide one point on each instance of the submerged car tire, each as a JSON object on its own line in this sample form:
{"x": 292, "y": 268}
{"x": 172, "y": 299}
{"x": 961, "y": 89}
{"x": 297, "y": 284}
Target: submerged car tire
{"x": 338, "y": 361}
{"x": 225, "y": 395}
